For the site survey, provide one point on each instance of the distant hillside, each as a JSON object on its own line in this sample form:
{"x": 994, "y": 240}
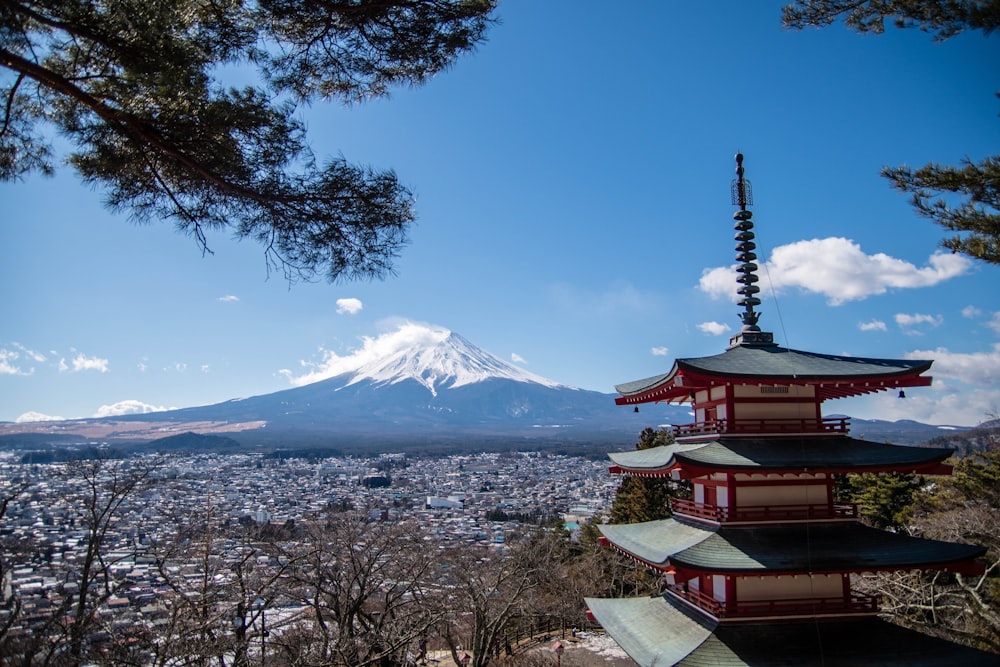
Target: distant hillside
{"x": 985, "y": 437}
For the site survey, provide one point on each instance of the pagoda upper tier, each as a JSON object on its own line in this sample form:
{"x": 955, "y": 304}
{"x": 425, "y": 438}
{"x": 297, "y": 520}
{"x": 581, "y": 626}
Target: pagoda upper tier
{"x": 757, "y": 388}
{"x": 829, "y": 375}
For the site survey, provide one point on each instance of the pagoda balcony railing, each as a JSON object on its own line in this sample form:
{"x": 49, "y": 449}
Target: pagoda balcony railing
{"x": 751, "y": 427}
{"x": 814, "y": 512}
{"x": 855, "y": 604}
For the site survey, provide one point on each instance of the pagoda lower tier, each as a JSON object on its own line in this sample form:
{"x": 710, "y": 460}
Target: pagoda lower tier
{"x": 779, "y": 571}
{"x": 663, "y": 631}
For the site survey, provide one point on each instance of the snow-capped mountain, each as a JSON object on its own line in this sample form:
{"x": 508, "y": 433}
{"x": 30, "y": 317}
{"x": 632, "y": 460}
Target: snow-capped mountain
{"x": 437, "y": 358}
{"x": 422, "y": 387}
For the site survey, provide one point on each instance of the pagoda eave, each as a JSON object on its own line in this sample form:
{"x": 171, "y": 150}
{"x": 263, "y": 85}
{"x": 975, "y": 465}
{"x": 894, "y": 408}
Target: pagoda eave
{"x": 692, "y": 471}
{"x": 679, "y": 387}
{"x": 789, "y": 549}
{"x": 806, "y": 454}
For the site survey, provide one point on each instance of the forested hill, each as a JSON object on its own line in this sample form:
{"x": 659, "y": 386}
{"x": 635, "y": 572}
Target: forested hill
{"x": 982, "y": 438}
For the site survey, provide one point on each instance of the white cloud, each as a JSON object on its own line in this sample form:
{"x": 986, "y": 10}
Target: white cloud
{"x": 975, "y": 368}
{"x": 659, "y": 351}
{"x": 838, "y": 269}
{"x": 971, "y": 312}
{"x": 127, "y": 407}
{"x": 935, "y": 405}
{"x": 31, "y": 354}
{"x": 229, "y": 298}
{"x": 180, "y": 367}
{"x": 142, "y": 366}
{"x": 714, "y": 328}
{"x": 406, "y": 336}
{"x": 82, "y": 362}
{"x": 8, "y": 365}
{"x": 29, "y": 417}
{"x": 874, "y": 325}
{"x": 907, "y": 320}
{"x": 517, "y": 358}
{"x": 204, "y": 368}
{"x": 995, "y": 323}
{"x": 350, "y": 305}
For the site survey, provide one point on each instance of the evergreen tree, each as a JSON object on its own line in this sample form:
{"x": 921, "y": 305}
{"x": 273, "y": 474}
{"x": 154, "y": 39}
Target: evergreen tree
{"x": 884, "y": 500}
{"x": 138, "y": 88}
{"x": 933, "y": 188}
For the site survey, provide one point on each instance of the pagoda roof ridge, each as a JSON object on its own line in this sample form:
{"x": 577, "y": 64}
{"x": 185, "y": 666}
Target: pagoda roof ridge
{"x": 661, "y": 631}
{"x": 792, "y": 548}
{"x": 786, "y": 454}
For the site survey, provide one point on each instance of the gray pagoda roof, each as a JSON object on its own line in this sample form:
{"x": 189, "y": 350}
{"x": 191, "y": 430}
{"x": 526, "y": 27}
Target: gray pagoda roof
{"x": 814, "y": 453}
{"x": 833, "y": 547}
{"x": 663, "y": 631}
{"x": 773, "y": 363}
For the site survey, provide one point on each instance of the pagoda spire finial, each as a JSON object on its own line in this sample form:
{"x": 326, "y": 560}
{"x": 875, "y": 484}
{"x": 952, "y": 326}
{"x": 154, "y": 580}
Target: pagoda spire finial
{"x": 750, "y": 334}
{"x": 743, "y": 196}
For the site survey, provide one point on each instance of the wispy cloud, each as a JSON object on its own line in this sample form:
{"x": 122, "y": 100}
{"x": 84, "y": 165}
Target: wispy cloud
{"x": 617, "y": 298}
{"x": 31, "y": 354}
{"x": 874, "y": 325}
{"x": 994, "y": 323}
{"x": 906, "y": 320}
{"x": 349, "y": 305}
{"x": 517, "y": 358}
{"x": 332, "y": 364}
{"x": 971, "y": 312}
{"x": 9, "y": 363}
{"x": 838, "y": 269}
{"x": 659, "y": 351}
{"x": 714, "y": 328}
{"x": 82, "y": 362}
{"x": 229, "y": 298}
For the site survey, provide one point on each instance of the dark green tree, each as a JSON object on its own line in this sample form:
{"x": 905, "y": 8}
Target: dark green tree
{"x": 645, "y": 498}
{"x": 139, "y": 89}
{"x": 884, "y": 500}
{"x": 964, "y": 199}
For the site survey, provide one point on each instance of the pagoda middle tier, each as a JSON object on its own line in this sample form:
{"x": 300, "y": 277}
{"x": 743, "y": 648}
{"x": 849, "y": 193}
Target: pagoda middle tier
{"x": 761, "y": 480}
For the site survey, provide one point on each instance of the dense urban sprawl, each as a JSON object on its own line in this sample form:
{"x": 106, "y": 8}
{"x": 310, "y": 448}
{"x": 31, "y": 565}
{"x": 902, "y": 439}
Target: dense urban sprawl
{"x": 455, "y": 500}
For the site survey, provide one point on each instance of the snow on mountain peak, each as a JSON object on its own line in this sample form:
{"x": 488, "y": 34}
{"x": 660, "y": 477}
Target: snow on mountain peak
{"x": 433, "y": 356}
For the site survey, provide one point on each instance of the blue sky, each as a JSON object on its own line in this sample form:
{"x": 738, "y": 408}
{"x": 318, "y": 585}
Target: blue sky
{"x": 572, "y": 181}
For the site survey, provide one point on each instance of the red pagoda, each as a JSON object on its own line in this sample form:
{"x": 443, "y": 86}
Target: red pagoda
{"x": 758, "y": 563}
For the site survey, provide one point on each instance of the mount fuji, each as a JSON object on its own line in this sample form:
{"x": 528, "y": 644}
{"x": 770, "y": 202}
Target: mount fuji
{"x": 426, "y": 388}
